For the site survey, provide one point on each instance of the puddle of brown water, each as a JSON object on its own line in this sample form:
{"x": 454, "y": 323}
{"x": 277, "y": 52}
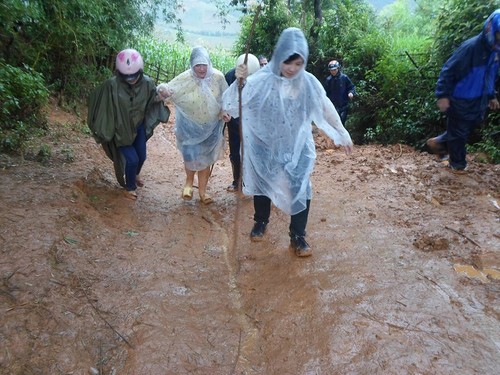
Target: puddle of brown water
{"x": 474, "y": 273}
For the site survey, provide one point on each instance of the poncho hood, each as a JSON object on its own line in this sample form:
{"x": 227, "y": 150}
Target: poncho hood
{"x": 200, "y": 56}
{"x": 291, "y": 41}
{"x": 277, "y": 113}
{"x": 491, "y": 27}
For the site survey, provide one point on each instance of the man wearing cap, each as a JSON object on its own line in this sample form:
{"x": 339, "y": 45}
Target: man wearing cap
{"x": 339, "y": 89}
{"x": 262, "y": 61}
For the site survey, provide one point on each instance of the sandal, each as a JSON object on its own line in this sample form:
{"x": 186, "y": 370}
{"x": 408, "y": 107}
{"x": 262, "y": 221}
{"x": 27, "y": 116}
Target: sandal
{"x": 131, "y": 194}
{"x": 187, "y": 193}
{"x": 206, "y": 199}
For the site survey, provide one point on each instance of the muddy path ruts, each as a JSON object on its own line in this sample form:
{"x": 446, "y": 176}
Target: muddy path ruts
{"x": 403, "y": 280}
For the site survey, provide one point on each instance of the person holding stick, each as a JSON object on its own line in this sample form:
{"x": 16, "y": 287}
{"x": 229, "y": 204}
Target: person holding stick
{"x": 279, "y": 103}
{"x": 233, "y": 125}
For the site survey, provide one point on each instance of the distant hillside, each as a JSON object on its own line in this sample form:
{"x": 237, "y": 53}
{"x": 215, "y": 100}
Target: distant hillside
{"x": 379, "y": 4}
{"x": 202, "y": 26}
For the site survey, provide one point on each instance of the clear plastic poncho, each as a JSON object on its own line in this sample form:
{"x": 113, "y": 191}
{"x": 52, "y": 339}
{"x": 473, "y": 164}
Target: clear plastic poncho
{"x": 198, "y": 126}
{"x": 277, "y": 112}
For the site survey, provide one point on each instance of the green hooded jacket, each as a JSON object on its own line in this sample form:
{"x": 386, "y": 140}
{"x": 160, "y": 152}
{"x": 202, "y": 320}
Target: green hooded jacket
{"x": 115, "y": 111}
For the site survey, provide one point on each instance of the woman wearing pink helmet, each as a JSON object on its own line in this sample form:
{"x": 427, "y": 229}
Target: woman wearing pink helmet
{"x": 123, "y": 113}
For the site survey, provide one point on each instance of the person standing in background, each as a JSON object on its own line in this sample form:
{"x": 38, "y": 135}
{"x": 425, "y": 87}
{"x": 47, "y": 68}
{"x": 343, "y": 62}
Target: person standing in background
{"x": 262, "y": 61}
{"x": 339, "y": 89}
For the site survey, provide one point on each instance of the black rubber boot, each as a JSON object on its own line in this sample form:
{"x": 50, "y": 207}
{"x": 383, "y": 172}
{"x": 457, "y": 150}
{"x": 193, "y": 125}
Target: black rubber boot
{"x": 300, "y": 245}
{"x": 258, "y": 230}
{"x": 236, "y": 176}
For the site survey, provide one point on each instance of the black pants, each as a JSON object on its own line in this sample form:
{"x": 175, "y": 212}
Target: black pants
{"x": 298, "y": 222}
{"x": 455, "y": 138}
{"x": 343, "y": 112}
{"x": 233, "y": 132}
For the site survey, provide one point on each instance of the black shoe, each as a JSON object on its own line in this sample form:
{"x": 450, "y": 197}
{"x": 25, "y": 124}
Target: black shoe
{"x": 300, "y": 246}
{"x": 233, "y": 187}
{"x": 258, "y": 230}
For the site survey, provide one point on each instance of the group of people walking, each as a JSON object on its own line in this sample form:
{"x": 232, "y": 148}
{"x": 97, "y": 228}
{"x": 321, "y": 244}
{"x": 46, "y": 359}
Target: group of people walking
{"x": 277, "y": 102}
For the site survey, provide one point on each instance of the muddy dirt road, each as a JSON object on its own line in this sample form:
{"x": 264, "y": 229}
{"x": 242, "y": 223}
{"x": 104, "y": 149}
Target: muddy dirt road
{"x": 404, "y": 278}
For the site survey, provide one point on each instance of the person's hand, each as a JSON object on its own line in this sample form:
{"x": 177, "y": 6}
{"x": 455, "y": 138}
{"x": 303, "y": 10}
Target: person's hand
{"x": 443, "y": 104}
{"x": 241, "y": 72}
{"x": 494, "y": 104}
{"x": 225, "y": 116}
{"x": 350, "y": 95}
{"x": 163, "y": 91}
{"x": 349, "y": 149}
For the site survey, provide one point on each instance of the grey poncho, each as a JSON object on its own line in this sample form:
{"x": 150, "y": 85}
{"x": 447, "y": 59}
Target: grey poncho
{"x": 198, "y": 126}
{"x": 277, "y": 112}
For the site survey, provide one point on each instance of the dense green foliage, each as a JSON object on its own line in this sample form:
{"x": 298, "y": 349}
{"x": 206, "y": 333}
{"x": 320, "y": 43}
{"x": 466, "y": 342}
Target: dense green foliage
{"x": 71, "y": 42}
{"x": 272, "y": 19}
{"x": 393, "y": 58}
{"x": 23, "y": 95}
{"x": 69, "y": 39}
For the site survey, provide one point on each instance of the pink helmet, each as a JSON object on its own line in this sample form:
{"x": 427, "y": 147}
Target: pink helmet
{"x": 129, "y": 61}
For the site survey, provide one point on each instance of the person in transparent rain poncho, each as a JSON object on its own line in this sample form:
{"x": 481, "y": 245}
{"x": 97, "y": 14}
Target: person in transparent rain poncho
{"x": 279, "y": 104}
{"x": 197, "y": 95}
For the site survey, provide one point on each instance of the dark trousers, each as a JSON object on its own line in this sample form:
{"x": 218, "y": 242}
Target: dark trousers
{"x": 233, "y": 132}
{"x": 298, "y": 222}
{"x": 135, "y": 156}
{"x": 455, "y": 138}
{"x": 343, "y": 111}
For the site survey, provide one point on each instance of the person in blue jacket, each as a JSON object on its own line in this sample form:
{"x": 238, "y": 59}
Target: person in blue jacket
{"x": 339, "y": 89}
{"x": 465, "y": 90}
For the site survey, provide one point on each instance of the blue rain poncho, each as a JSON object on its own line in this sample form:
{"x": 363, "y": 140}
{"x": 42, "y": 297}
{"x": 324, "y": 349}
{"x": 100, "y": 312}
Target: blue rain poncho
{"x": 277, "y": 112}
{"x": 198, "y": 123}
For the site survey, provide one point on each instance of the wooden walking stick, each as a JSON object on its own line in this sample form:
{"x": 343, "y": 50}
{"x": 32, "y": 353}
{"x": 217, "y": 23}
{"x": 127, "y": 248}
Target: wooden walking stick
{"x": 240, "y": 90}
{"x": 240, "y": 127}
{"x": 232, "y": 257}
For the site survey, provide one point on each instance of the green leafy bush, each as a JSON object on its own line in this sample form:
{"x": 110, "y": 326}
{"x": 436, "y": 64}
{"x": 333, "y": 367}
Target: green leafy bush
{"x": 273, "y": 19}
{"x": 490, "y": 140}
{"x": 23, "y": 95}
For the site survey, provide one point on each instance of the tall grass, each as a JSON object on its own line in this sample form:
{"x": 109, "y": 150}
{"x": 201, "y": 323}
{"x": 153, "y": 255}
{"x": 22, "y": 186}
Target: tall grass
{"x": 163, "y": 60}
